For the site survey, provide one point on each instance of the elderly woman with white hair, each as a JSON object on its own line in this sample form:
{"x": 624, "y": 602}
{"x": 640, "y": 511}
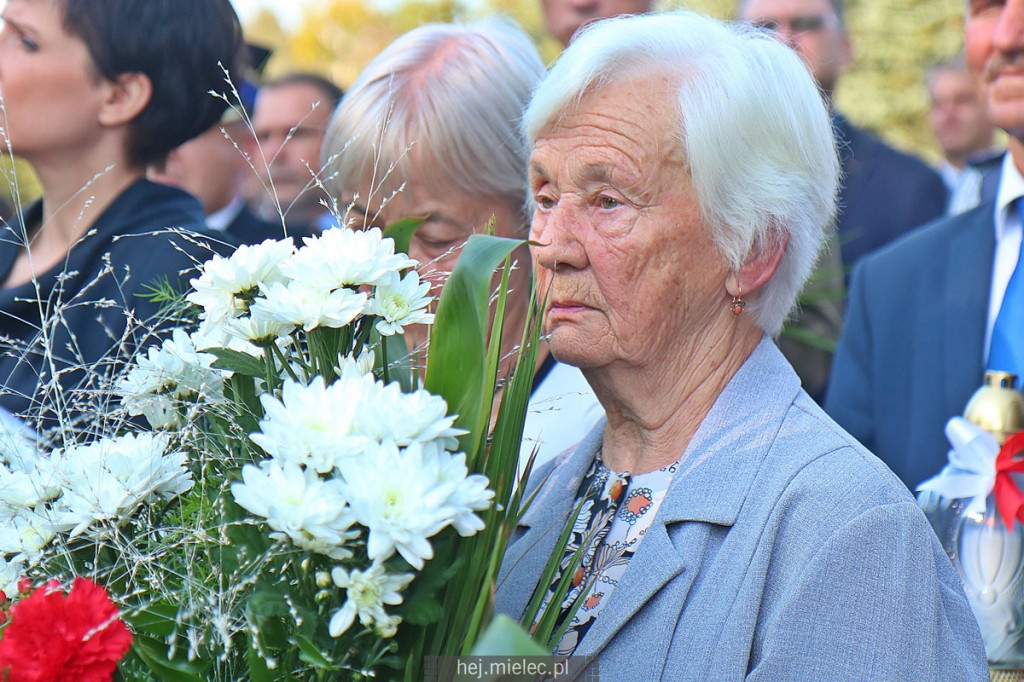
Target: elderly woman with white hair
{"x": 684, "y": 173}
{"x": 431, "y": 128}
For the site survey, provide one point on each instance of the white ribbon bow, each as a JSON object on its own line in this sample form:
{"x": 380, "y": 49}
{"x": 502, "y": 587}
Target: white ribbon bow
{"x": 971, "y": 472}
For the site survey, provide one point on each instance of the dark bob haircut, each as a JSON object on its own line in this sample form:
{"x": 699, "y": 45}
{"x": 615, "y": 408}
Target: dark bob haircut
{"x": 179, "y": 45}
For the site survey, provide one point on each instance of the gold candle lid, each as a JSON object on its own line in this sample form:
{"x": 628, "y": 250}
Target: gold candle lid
{"x": 997, "y": 406}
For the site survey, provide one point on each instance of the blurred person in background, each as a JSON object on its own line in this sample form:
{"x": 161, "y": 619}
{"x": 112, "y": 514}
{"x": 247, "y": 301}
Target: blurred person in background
{"x": 884, "y": 192}
{"x": 958, "y": 117}
{"x": 431, "y": 128}
{"x": 212, "y": 168}
{"x": 289, "y": 120}
{"x": 93, "y": 93}
{"x": 930, "y": 313}
{"x": 564, "y": 17}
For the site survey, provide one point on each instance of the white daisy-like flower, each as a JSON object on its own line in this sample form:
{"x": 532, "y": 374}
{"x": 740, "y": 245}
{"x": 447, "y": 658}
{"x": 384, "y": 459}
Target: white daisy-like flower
{"x": 313, "y": 425}
{"x": 367, "y": 592}
{"x": 298, "y": 304}
{"x": 258, "y": 328}
{"x": 24, "y": 535}
{"x": 17, "y": 443}
{"x": 404, "y": 497}
{"x": 166, "y": 377}
{"x": 26, "y": 489}
{"x": 405, "y": 418}
{"x": 11, "y": 572}
{"x": 107, "y": 480}
{"x": 400, "y": 302}
{"x": 470, "y": 495}
{"x": 342, "y": 257}
{"x": 299, "y": 506}
{"x": 227, "y": 286}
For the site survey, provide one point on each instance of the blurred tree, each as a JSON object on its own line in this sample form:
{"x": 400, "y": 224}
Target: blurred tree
{"x": 894, "y": 42}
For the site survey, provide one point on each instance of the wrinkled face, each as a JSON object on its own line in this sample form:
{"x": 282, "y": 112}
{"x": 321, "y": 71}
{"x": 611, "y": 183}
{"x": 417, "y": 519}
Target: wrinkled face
{"x": 958, "y": 114}
{"x": 810, "y": 27}
{"x": 290, "y": 132}
{"x": 207, "y": 167}
{"x": 994, "y": 48}
{"x": 626, "y": 261}
{"x": 565, "y": 17}
{"x": 51, "y": 93}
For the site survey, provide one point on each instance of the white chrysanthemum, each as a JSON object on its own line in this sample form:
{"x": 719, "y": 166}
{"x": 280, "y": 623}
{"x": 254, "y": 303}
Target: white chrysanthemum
{"x": 258, "y": 328}
{"x": 342, "y": 257}
{"x": 212, "y": 334}
{"x": 400, "y": 302}
{"x": 406, "y": 418}
{"x": 17, "y": 443}
{"x": 227, "y": 286}
{"x": 26, "y": 489}
{"x": 300, "y": 305}
{"x": 367, "y": 592}
{"x": 165, "y": 377}
{"x": 24, "y": 535}
{"x": 313, "y": 425}
{"x": 404, "y": 497}
{"x": 299, "y": 506}
{"x": 11, "y": 572}
{"x": 106, "y": 481}
{"x": 349, "y": 367}
{"x": 471, "y": 493}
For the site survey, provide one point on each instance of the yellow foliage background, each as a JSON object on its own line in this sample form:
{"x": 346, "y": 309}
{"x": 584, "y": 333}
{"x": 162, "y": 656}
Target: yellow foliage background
{"x": 894, "y": 43}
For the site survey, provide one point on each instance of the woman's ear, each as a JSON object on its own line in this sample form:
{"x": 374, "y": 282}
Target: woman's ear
{"x": 755, "y": 272}
{"x": 127, "y": 96}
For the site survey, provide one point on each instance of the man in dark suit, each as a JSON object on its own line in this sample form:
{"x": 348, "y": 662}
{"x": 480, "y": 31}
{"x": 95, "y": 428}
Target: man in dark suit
{"x": 921, "y": 311}
{"x": 884, "y": 194}
{"x": 211, "y": 168}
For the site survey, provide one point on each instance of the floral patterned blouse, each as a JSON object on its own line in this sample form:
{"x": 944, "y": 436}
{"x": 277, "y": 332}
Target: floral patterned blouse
{"x": 617, "y": 511}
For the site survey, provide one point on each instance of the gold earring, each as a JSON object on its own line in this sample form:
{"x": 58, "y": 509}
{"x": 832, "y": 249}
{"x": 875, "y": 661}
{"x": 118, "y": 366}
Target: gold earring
{"x": 737, "y": 305}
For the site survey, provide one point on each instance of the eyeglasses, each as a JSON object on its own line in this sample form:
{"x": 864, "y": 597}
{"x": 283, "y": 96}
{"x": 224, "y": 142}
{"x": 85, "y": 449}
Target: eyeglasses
{"x": 797, "y": 24}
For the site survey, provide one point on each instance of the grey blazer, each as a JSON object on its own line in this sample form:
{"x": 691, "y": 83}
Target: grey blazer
{"x": 783, "y": 551}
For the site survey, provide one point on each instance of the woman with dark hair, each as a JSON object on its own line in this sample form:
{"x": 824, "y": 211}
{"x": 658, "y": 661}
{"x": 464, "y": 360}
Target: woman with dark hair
{"x": 93, "y": 92}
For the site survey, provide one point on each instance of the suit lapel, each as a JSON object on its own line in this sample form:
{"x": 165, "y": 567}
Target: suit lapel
{"x": 968, "y": 280}
{"x": 709, "y": 489}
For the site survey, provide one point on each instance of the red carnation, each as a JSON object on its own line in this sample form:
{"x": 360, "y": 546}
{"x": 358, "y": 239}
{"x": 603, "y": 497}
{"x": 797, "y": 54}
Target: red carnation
{"x": 50, "y": 637}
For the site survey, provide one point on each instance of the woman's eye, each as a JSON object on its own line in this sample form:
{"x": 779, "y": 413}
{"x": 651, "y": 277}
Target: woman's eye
{"x": 609, "y": 203}
{"x": 547, "y": 203}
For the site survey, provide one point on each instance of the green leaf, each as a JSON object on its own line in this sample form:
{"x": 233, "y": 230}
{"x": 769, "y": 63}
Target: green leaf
{"x": 259, "y": 671}
{"x": 505, "y": 637}
{"x": 456, "y": 364}
{"x": 153, "y": 654}
{"x": 156, "y": 619}
{"x": 401, "y": 231}
{"x": 423, "y": 611}
{"x": 309, "y": 653}
{"x": 236, "y": 361}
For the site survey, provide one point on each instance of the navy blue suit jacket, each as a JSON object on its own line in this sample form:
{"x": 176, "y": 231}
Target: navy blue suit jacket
{"x": 910, "y": 354}
{"x": 885, "y": 193}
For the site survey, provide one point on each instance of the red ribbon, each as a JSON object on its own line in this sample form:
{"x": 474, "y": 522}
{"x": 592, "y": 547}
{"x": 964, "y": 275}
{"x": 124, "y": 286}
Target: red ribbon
{"x": 1009, "y": 498}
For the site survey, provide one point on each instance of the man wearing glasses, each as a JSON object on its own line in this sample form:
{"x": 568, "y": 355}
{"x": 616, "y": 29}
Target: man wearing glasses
{"x": 884, "y": 194}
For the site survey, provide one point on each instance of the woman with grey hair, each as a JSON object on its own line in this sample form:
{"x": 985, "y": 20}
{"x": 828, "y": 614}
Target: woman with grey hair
{"x": 684, "y": 172}
{"x": 431, "y": 128}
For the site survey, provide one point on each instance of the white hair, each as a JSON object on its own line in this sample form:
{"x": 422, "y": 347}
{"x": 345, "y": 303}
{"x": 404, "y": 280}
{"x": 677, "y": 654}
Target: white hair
{"x": 753, "y": 127}
{"x": 445, "y": 100}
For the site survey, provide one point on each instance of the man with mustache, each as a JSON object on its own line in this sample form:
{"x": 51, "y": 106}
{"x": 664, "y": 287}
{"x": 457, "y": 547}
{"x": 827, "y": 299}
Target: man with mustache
{"x": 289, "y": 121}
{"x": 929, "y": 313}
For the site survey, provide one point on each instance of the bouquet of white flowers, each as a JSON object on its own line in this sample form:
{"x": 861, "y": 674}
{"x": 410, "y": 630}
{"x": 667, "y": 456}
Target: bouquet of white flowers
{"x": 284, "y": 501}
